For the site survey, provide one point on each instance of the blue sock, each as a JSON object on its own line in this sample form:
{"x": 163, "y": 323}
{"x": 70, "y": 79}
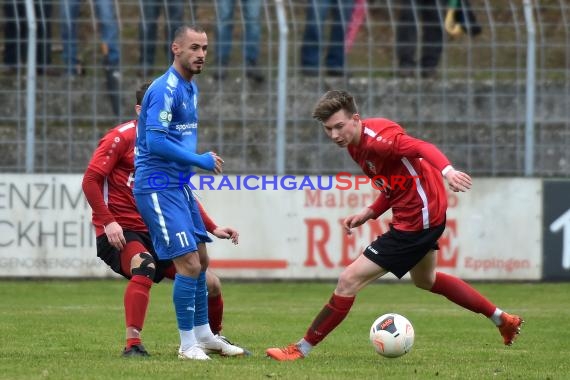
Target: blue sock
{"x": 201, "y": 316}
{"x": 184, "y": 296}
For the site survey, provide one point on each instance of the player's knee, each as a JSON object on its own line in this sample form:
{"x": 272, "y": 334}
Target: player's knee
{"x": 143, "y": 265}
{"x": 188, "y": 265}
{"x": 425, "y": 283}
{"x": 346, "y": 285}
{"x": 214, "y": 285}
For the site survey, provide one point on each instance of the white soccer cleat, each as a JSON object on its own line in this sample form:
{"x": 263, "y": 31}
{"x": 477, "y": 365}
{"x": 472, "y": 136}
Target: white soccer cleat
{"x": 221, "y": 346}
{"x": 193, "y": 353}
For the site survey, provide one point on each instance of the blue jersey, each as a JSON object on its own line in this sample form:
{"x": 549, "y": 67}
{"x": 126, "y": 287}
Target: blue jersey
{"x": 169, "y": 106}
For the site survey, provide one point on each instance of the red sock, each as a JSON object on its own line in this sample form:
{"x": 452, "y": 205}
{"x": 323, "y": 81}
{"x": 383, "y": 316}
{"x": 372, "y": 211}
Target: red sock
{"x": 331, "y": 315}
{"x": 133, "y": 342}
{"x": 458, "y": 291}
{"x": 136, "y": 301}
{"x": 215, "y": 313}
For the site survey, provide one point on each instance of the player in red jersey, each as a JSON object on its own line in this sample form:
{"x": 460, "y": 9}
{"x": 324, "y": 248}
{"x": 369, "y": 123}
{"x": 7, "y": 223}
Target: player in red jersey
{"x": 122, "y": 238}
{"x": 418, "y": 201}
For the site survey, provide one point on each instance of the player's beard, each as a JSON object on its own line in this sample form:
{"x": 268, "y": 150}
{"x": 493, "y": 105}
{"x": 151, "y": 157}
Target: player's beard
{"x": 194, "y": 69}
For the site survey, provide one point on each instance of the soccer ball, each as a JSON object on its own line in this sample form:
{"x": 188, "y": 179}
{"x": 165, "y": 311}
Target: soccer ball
{"x": 392, "y": 335}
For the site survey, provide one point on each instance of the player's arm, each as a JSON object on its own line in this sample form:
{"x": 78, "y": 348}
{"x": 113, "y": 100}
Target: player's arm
{"x": 380, "y": 206}
{"x": 160, "y": 145}
{"x": 158, "y": 119}
{"x": 110, "y": 149}
{"x": 406, "y": 145}
{"x": 214, "y": 229}
{"x": 92, "y": 184}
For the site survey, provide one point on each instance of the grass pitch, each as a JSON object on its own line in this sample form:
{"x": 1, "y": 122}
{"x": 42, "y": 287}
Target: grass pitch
{"x": 74, "y": 330}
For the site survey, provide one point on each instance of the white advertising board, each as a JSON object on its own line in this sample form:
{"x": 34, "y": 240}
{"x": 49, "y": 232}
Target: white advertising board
{"x": 494, "y": 231}
{"x": 45, "y": 228}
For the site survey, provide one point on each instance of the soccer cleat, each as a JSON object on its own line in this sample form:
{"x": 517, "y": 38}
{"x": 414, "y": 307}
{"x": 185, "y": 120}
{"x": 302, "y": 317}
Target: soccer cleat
{"x": 222, "y": 347}
{"x": 193, "y": 353}
{"x": 291, "y": 352}
{"x": 136, "y": 350}
{"x": 209, "y": 351}
{"x": 510, "y": 327}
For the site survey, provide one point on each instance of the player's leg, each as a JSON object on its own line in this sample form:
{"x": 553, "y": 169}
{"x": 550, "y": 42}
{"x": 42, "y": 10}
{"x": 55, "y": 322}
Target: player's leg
{"x": 186, "y": 284}
{"x": 355, "y": 277}
{"x": 458, "y": 291}
{"x": 137, "y": 263}
{"x": 212, "y": 344}
{"x": 215, "y": 302}
{"x": 170, "y": 226}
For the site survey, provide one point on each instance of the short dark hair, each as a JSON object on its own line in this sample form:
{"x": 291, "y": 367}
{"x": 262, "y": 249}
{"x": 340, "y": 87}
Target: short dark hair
{"x": 332, "y": 102}
{"x": 141, "y": 91}
{"x": 179, "y": 32}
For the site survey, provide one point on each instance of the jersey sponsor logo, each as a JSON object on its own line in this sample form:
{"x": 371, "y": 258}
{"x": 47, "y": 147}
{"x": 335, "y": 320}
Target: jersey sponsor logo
{"x": 185, "y": 126}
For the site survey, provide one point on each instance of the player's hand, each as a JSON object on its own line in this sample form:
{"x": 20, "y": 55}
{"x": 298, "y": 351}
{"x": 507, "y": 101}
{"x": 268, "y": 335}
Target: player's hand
{"x": 356, "y": 220}
{"x": 115, "y": 235}
{"x": 219, "y": 163}
{"x": 458, "y": 181}
{"x": 227, "y": 233}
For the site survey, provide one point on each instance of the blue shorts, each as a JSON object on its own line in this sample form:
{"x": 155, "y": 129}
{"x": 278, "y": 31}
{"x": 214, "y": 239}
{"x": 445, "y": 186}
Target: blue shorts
{"x": 173, "y": 220}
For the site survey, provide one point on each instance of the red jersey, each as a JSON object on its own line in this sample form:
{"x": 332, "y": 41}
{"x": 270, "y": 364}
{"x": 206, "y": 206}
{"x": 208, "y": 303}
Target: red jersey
{"x": 407, "y": 170}
{"x": 114, "y": 159}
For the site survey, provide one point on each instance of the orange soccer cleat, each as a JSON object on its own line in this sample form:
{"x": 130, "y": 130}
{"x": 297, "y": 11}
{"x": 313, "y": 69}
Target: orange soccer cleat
{"x": 510, "y": 327}
{"x": 291, "y": 352}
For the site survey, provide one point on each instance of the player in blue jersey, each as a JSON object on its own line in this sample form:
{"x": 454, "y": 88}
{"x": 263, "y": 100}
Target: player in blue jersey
{"x": 165, "y": 154}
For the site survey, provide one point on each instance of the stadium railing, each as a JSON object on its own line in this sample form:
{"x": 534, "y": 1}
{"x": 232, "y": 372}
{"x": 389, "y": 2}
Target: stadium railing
{"x": 475, "y": 107}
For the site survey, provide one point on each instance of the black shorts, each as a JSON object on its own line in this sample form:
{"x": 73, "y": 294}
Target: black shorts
{"x": 112, "y": 256}
{"x": 399, "y": 251}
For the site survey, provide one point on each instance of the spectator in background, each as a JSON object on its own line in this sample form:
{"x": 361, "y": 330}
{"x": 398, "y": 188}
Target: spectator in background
{"x": 16, "y": 35}
{"x": 109, "y": 29}
{"x": 412, "y": 13}
{"x": 340, "y": 12}
{"x": 148, "y": 29}
{"x": 251, "y": 10}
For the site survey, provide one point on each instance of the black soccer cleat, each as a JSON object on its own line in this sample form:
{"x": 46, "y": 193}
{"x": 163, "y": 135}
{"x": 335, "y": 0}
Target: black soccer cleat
{"x": 137, "y": 350}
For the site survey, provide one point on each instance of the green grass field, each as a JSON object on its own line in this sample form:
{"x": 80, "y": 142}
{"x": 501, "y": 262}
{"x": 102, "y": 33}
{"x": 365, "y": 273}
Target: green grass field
{"x": 74, "y": 330}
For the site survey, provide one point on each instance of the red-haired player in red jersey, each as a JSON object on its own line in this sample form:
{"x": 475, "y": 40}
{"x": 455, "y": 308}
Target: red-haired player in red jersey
{"x": 122, "y": 238}
{"x": 384, "y": 151}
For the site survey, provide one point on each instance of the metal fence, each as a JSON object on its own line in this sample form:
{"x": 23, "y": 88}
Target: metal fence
{"x": 492, "y": 104}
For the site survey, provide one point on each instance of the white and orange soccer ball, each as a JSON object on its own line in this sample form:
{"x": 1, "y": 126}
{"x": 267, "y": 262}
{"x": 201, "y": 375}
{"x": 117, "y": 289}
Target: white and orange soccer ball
{"x": 392, "y": 335}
